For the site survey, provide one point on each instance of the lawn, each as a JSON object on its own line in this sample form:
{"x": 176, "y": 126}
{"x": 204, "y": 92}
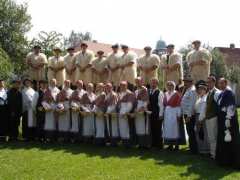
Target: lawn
{"x": 70, "y": 161}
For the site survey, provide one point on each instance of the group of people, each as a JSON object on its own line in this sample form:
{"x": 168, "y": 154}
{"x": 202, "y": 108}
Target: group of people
{"x": 106, "y": 102}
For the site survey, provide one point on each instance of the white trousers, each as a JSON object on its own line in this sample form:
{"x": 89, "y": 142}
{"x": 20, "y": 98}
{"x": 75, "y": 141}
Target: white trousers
{"x": 211, "y": 125}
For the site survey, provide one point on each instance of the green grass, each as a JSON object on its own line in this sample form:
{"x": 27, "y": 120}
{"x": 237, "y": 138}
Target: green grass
{"x": 68, "y": 161}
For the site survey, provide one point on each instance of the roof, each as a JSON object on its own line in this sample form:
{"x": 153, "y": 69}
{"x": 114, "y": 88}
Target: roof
{"x": 96, "y": 46}
{"x": 230, "y": 55}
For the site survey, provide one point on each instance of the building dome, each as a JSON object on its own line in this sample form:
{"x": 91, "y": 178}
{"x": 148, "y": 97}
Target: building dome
{"x": 161, "y": 44}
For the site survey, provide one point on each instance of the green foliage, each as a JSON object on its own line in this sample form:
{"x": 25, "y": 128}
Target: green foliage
{"x": 48, "y": 40}
{"x": 234, "y": 73}
{"x": 218, "y": 66}
{"x": 6, "y": 67}
{"x": 75, "y": 38}
{"x": 14, "y": 24}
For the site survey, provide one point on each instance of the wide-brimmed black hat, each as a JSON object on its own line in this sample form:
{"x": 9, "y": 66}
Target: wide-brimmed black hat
{"x": 170, "y": 46}
{"x": 196, "y": 42}
{"x": 70, "y": 48}
{"x": 37, "y": 47}
{"x": 147, "y": 48}
{"x": 114, "y": 46}
{"x": 124, "y": 46}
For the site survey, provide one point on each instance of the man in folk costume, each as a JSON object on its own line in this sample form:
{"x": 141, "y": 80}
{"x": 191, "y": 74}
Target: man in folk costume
{"x": 228, "y": 139}
{"x": 211, "y": 114}
{"x": 142, "y": 123}
{"x": 3, "y": 111}
{"x": 14, "y": 98}
{"x": 99, "y": 69}
{"x": 113, "y": 61}
{"x": 112, "y": 117}
{"x": 63, "y": 111}
{"x": 87, "y": 114}
{"x": 29, "y": 97}
{"x": 70, "y": 66}
{"x": 49, "y": 106}
{"x": 36, "y": 62}
{"x": 56, "y": 67}
{"x": 187, "y": 105}
{"x": 172, "y": 114}
{"x": 83, "y": 60}
{"x": 156, "y": 107}
{"x": 129, "y": 66}
{"x": 172, "y": 66}
{"x": 75, "y": 108}
{"x": 125, "y": 104}
{"x": 99, "y": 110}
{"x": 148, "y": 65}
{"x": 200, "y": 116}
{"x": 199, "y": 60}
{"x": 40, "y": 113}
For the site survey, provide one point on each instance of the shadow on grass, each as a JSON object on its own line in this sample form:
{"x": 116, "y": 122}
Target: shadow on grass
{"x": 197, "y": 165}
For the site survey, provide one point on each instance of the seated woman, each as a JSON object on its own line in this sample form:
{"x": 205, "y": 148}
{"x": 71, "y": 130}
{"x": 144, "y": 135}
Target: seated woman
{"x": 172, "y": 114}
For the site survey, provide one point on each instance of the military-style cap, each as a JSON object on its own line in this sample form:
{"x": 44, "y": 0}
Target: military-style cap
{"x": 115, "y": 46}
{"x": 71, "y": 48}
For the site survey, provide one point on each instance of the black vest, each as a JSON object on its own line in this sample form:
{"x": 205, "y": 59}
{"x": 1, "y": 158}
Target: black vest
{"x": 211, "y": 109}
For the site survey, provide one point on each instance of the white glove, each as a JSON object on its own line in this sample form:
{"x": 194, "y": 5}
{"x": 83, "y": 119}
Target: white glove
{"x": 227, "y": 123}
{"x": 228, "y": 137}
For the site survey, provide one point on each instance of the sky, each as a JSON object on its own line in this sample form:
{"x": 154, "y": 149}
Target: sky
{"x": 140, "y": 22}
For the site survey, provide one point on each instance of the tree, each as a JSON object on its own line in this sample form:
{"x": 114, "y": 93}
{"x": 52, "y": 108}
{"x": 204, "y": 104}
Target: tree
{"x": 14, "y": 24}
{"x": 75, "y": 38}
{"x": 48, "y": 40}
{"x": 218, "y": 66}
{"x": 5, "y": 66}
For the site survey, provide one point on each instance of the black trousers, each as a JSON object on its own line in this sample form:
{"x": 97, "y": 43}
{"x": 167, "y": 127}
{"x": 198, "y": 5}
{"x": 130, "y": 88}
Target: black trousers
{"x": 191, "y": 134}
{"x": 13, "y": 125}
{"x": 156, "y": 131}
{"x": 3, "y": 121}
{"x": 28, "y": 133}
{"x": 40, "y": 125}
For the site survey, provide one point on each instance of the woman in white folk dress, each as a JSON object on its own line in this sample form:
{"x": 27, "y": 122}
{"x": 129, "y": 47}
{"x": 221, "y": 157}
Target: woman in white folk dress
{"x": 172, "y": 114}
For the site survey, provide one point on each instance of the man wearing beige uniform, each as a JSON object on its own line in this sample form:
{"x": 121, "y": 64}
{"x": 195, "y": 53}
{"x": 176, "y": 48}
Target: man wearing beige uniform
{"x": 99, "y": 69}
{"x": 148, "y": 65}
{"x": 83, "y": 61}
{"x": 56, "y": 67}
{"x": 128, "y": 65}
{"x": 70, "y": 66}
{"x": 172, "y": 66}
{"x": 36, "y": 62}
{"x": 199, "y": 60}
{"x": 113, "y": 61}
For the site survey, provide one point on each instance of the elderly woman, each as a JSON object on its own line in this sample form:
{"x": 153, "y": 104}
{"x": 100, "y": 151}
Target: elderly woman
{"x": 172, "y": 113}
{"x": 200, "y": 112}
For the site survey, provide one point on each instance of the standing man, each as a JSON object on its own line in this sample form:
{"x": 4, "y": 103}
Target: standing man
{"x": 83, "y": 61}
{"x": 172, "y": 66}
{"x": 70, "y": 66}
{"x": 99, "y": 69}
{"x": 128, "y": 66}
{"x": 156, "y": 118}
{"x": 148, "y": 65}
{"x": 14, "y": 98}
{"x": 228, "y": 139}
{"x": 187, "y": 105}
{"x": 199, "y": 60}
{"x": 211, "y": 114}
{"x": 56, "y": 67}
{"x": 3, "y": 111}
{"x": 113, "y": 61}
{"x": 36, "y": 62}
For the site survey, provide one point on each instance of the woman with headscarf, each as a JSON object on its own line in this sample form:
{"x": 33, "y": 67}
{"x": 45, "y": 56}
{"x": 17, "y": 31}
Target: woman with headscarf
{"x": 172, "y": 113}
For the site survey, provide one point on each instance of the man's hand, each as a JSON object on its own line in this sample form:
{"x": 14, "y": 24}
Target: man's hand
{"x": 187, "y": 119}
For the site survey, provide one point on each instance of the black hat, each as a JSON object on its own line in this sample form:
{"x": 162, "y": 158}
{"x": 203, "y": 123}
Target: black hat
{"x": 196, "y": 42}
{"x": 37, "y": 47}
{"x": 124, "y": 46}
{"x": 115, "y": 46}
{"x": 84, "y": 44}
{"x": 100, "y": 52}
{"x": 170, "y": 46}
{"x": 70, "y": 48}
{"x": 147, "y": 48}
{"x": 188, "y": 78}
{"x": 26, "y": 79}
{"x": 57, "y": 49}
